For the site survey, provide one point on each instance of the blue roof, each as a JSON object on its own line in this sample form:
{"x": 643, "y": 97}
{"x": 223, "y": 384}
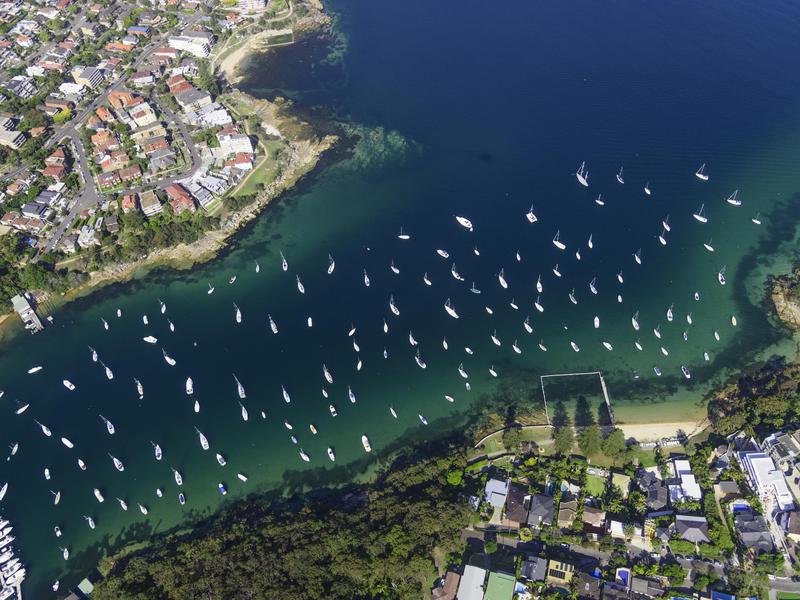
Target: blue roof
{"x": 715, "y": 595}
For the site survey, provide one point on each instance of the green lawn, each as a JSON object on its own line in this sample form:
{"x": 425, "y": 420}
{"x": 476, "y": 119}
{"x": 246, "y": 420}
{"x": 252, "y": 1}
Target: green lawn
{"x": 788, "y": 596}
{"x": 622, "y": 482}
{"x": 595, "y": 485}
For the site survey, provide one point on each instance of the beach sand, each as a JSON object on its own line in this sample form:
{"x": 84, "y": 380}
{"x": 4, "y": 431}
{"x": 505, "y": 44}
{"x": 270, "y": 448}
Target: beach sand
{"x": 652, "y": 432}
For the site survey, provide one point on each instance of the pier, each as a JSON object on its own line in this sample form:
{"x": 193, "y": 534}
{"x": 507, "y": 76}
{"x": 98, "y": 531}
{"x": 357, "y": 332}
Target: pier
{"x": 26, "y": 312}
{"x": 603, "y": 386}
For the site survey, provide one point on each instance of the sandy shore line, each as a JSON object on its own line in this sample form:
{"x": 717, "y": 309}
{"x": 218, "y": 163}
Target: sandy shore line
{"x": 653, "y": 432}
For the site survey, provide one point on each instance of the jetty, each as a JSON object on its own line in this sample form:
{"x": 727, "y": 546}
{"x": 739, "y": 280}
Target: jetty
{"x": 26, "y": 312}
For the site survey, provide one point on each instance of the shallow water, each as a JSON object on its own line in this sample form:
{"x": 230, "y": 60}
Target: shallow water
{"x": 492, "y": 113}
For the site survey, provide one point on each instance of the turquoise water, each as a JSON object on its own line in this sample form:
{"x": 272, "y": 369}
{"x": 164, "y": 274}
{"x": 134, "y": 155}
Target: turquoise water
{"x": 495, "y": 113}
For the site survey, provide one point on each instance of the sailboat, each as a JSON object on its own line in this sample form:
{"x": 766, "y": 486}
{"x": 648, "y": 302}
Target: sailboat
{"x": 444, "y": 343}
{"x": 557, "y": 242}
{"x": 221, "y": 459}
{"x": 331, "y": 264}
{"x": 700, "y": 215}
{"x": 285, "y": 395}
{"x": 450, "y": 310}
{"x": 203, "y": 440}
{"x": 94, "y": 354}
{"x": 502, "y": 279}
{"x": 443, "y": 253}
{"x": 572, "y": 297}
{"x": 245, "y": 416}
{"x": 701, "y": 173}
{"x": 366, "y": 278}
{"x": 89, "y": 521}
{"x": 181, "y": 499}
{"x": 365, "y": 443}
{"x": 284, "y": 263}
{"x": 393, "y": 307}
{"x": 635, "y": 321}
{"x": 527, "y": 325}
{"x": 98, "y": 495}
{"x": 620, "y": 278}
{"x": 670, "y": 314}
{"x": 637, "y": 256}
{"x": 109, "y": 425}
{"x": 657, "y": 331}
{"x": 516, "y": 348}
{"x": 494, "y": 338}
{"x": 422, "y": 419}
{"x": 351, "y": 395}
{"x": 462, "y": 372}
{"x": 258, "y": 267}
{"x": 304, "y": 456}
{"x": 122, "y": 504}
{"x": 734, "y": 199}
{"x": 538, "y": 305}
{"x": 169, "y": 360}
{"x": 426, "y": 279}
{"x": 473, "y": 289}
{"x": 599, "y": 200}
{"x": 56, "y": 496}
{"x": 539, "y": 286}
{"x": 464, "y": 222}
{"x": 619, "y": 176}
{"x": 105, "y": 323}
{"x": 189, "y": 386}
{"x": 142, "y": 509}
{"x": 578, "y": 254}
{"x": 556, "y": 272}
{"x": 455, "y": 273}
{"x": 592, "y": 286}
{"x": 542, "y": 347}
{"x": 239, "y": 387}
{"x": 575, "y": 346}
{"x": 721, "y": 276}
{"x": 117, "y": 463}
{"x": 707, "y": 245}
{"x": 661, "y": 239}
{"x": 145, "y": 320}
{"x": 210, "y": 289}
{"x": 638, "y": 345}
{"x": 686, "y": 372}
{"x": 530, "y": 216}
{"x": 139, "y": 388}
{"x": 272, "y": 324}
{"x": 665, "y": 224}
{"x": 237, "y": 313}
{"x": 647, "y": 188}
{"x": 475, "y": 251}
{"x": 45, "y": 430}
{"x": 608, "y": 346}
{"x": 492, "y": 372}
{"x": 64, "y": 553}
{"x": 156, "y": 449}
{"x": 331, "y": 454}
{"x": 664, "y": 351}
{"x": 178, "y": 478}
{"x": 583, "y": 175}
{"x": 757, "y": 219}
{"x": 590, "y": 241}
{"x": 513, "y": 304}
{"x": 689, "y": 318}
{"x": 403, "y": 235}
{"x": 327, "y": 374}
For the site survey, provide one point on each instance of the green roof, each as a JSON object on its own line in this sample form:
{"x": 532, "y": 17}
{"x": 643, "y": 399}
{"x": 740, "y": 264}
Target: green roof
{"x": 500, "y": 587}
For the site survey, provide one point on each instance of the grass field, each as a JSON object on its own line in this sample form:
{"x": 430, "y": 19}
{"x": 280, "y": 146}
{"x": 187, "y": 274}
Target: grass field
{"x": 788, "y": 596}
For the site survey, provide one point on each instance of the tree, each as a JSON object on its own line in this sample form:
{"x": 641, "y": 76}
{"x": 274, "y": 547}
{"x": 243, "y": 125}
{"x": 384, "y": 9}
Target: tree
{"x": 590, "y": 440}
{"x": 62, "y": 116}
{"x": 614, "y": 444}
{"x": 489, "y": 546}
{"x": 455, "y": 477}
{"x": 512, "y": 436}
{"x": 564, "y": 439}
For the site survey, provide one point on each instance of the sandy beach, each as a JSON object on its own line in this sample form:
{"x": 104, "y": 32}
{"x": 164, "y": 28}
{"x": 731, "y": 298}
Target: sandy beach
{"x": 652, "y": 432}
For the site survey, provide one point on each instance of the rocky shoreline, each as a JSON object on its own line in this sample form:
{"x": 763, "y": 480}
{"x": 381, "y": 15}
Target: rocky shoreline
{"x": 785, "y": 294}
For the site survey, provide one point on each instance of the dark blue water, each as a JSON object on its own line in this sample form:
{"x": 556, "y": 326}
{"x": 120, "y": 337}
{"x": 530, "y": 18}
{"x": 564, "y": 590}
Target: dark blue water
{"x": 496, "y": 107}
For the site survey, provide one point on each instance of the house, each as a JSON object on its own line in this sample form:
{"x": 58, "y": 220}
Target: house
{"x": 179, "y": 199}
{"x": 33, "y": 210}
{"x": 517, "y": 505}
{"x": 448, "y": 588}
{"x": 130, "y": 173}
{"x": 56, "y": 158}
{"x": 728, "y": 489}
{"x": 57, "y": 172}
{"x": 615, "y": 591}
{"x": 655, "y": 492}
{"x": 567, "y": 513}
{"x": 69, "y": 244}
{"x": 766, "y": 480}
{"x": 12, "y": 139}
{"x": 790, "y": 522}
{"x": 88, "y": 237}
{"x": 471, "y": 585}
{"x": 233, "y": 142}
{"x": 108, "y": 180}
{"x": 559, "y": 573}
{"x": 533, "y": 568}
{"x": 692, "y": 529}
{"x": 594, "y": 521}
{"x": 193, "y": 99}
{"x": 753, "y": 532}
{"x": 91, "y": 77}
{"x": 542, "y": 509}
{"x": 196, "y": 43}
{"x": 687, "y": 487}
{"x": 112, "y": 224}
{"x": 168, "y": 53}
{"x": 500, "y": 586}
{"x": 643, "y": 587}
{"x": 143, "y": 78}
{"x": 495, "y": 492}
{"x": 783, "y": 448}
{"x": 129, "y": 202}
{"x": 587, "y": 587}
{"x": 150, "y": 203}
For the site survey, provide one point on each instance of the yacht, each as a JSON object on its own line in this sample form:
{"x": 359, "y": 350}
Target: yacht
{"x": 46, "y": 476}
{"x": 57, "y": 531}
{"x": 583, "y": 175}
{"x": 145, "y": 320}
{"x": 572, "y": 296}
{"x": 556, "y": 272}
{"x": 443, "y": 253}
{"x": 150, "y": 339}
{"x": 495, "y": 340}
{"x": 599, "y": 200}
{"x": 516, "y": 347}
{"x": 210, "y": 289}
{"x": 304, "y": 456}
{"x": 664, "y": 351}
{"x": 366, "y": 278}
{"x": 156, "y": 450}
{"x": 464, "y": 222}
{"x": 122, "y": 504}
{"x": 592, "y": 286}
{"x": 557, "y": 241}
{"x": 542, "y": 347}
{"x": 422, "y": 419}
{"x": 420, "y": 363}
{"x": 285, "y": 394}
{"x": 98, "y": 495}
{"x": 331, "y": 454}
{"x": 647, "y": 188}
{"x": 539, "y": 286}
{"x": 757, "y": 219}
{"x": 351, "y": 395}
{"x": 608, "y": 346}
{"x": 492, "y": 372}
{"x": 721, "y": 276}
{"x": 403, "y": 235}
{"x": 619, "y": 176}
{"x": 331, "y": 264}
{"x": 222, "y": 489}
{"x": 35, "y": 369}
{"x": 707, "y": 245}
{"x": 312, "y": 428}
{"x": 67, "y": 442}
{"x": 665, "y": 224}
{"x": 575, "y": 346}
{"x": 237, "y": 313}
{"x": 196, "y": 406}
{"x": 94, "y": 354}
{"x": 392, "y": 412}
{"x": 178, "y": 478}
{"x": 700, "y": 215}
{"x": 242, "y": 476}
{"x": 686, "y": 372}
{"x": 244, "y": 414}
{"x": 462, "y": 372}
{"x": 530, "y": 216}
{"x": 701, "y": 173}
{"x": 393, "y": 307}
{"x": 284, "y": 263}
{"x": 203, "y": 440}
{"x": 449, "y": 398}
{"x": 450, "y": 310}
{"x": 181, "y": 499}
{"x": 733, "y": 320}
{"x": 272, "y": 324}
{"x": 159, "y": 493}
{"x": 473, "y": 289}
{"x": 538, "y": 305}
{"x": 64, "y": 553}
{"x": 239, "y": 387}
{"x": 169, "y": 360}
{"x": 385, "y": 326}
{"x": 109, "y": 425}
{"x": 189, "y": 386}
{"x": 426, "y": 279}
{"x": 734, "y": 199}
{"x": 635, "y": 321}
{"x": 332, "y": 410}
{"x": 706, "y": 357}
{"x": 365, "y": 443}
{"x": 143, "y": 509}
{"x": 300, "y": 287}
{"x": 596, "y": 322}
